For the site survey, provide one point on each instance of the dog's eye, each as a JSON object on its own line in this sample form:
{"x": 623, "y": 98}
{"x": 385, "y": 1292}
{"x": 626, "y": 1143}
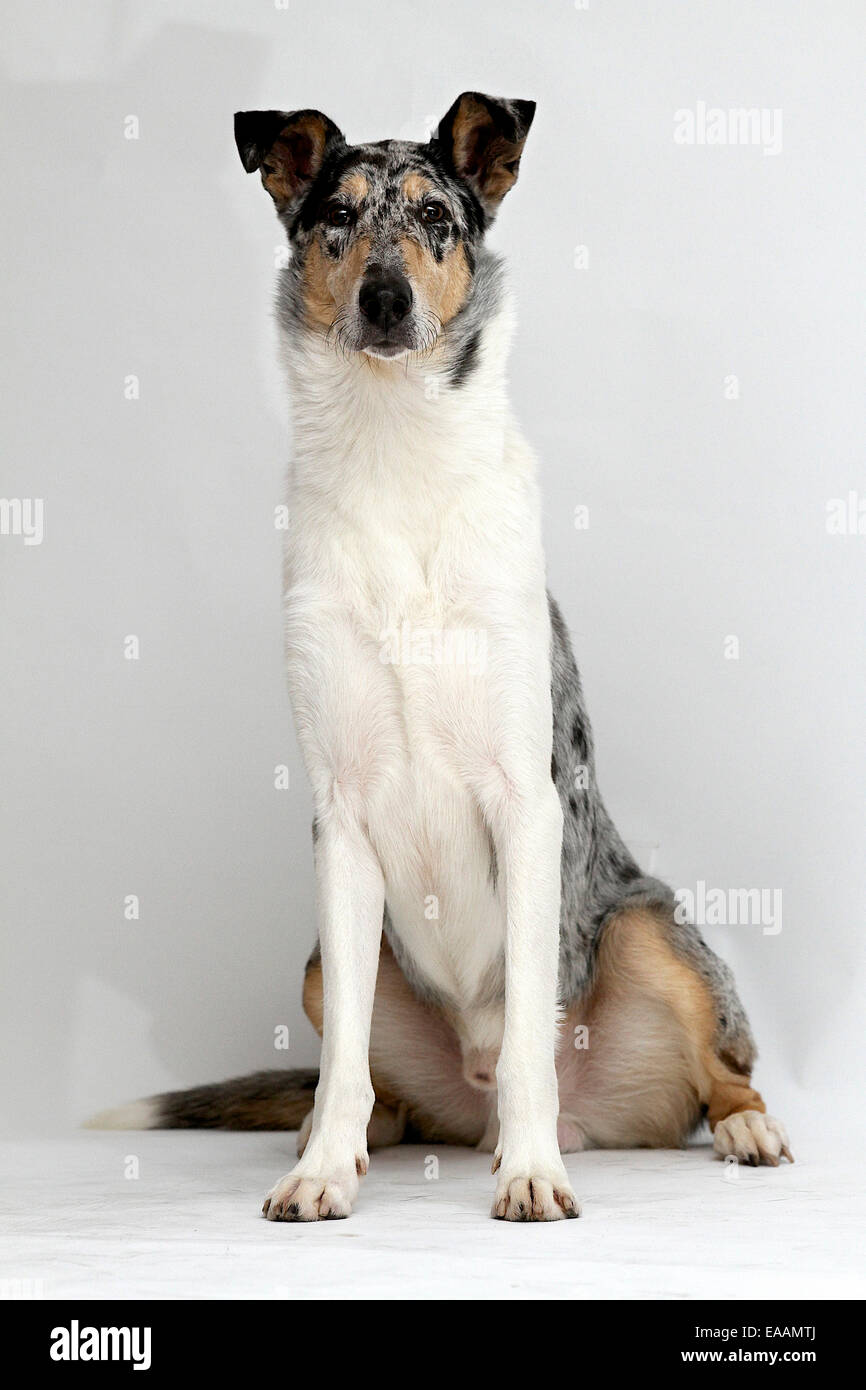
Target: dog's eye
{"x": 433, "y": 211}
{"x": 339, "y": 215}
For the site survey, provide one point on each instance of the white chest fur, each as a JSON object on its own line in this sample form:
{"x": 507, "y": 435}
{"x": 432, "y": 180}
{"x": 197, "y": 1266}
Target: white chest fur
{"x": 416, "y": 624}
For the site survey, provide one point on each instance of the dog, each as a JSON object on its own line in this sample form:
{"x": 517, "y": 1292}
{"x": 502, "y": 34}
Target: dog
{"x": 493, "y": 968}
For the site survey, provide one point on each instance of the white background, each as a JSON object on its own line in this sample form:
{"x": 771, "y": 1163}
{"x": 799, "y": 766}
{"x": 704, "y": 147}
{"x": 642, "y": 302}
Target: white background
{"x": 155, "y": 257}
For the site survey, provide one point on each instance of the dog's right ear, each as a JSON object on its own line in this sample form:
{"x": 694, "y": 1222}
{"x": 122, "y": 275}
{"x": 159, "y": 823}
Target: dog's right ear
{"x": 289, "y": 147}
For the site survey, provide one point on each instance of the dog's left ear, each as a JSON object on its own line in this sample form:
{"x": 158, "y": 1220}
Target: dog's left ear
{"x": 482, "y": 139}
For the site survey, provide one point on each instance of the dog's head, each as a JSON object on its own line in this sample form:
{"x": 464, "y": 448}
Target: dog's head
{"x": 384, "y": 236}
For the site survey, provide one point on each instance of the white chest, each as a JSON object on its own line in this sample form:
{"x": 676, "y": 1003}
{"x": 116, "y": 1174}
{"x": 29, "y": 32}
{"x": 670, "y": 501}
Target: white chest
{"x": 413, "y": 577}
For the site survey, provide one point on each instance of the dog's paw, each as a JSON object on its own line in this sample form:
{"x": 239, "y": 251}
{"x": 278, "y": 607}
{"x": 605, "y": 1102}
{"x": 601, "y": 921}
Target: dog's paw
{"x": 752, "y": 1138}
{"x": 545, "y": 1196}
{"x": 309, "y": 1198}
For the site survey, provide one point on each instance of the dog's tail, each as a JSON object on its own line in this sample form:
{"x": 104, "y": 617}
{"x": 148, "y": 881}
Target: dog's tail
{"x": 264, "y": 1100}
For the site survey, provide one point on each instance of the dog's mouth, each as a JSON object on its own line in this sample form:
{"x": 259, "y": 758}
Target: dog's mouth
{"x": 386, "y": 347}
{"x": 398, "y": 341}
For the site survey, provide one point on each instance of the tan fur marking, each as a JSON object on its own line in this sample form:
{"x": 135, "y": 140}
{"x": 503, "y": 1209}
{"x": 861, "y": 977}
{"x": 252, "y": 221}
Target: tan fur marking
{"x": 314, "y": 995}
{"x": 415, "y": 186}
{"x": 494, "y": 175}
{"x": 442, "y": 285}
{"x": 278, "y": 170}
{"x": 729, "y": 1092}
{"x": 328, "y": 285}
{"x": 636, "y": 959}
{"x": 354, "y": 186}
{"x": 470, "y": 116}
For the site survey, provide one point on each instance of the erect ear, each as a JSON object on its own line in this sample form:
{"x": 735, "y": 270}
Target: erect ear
{"x": 288, "y": 147}
{"x": 482, "y": 138}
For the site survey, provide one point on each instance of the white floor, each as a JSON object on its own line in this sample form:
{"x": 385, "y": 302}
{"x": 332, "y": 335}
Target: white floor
{"x": 663, "y": 1224}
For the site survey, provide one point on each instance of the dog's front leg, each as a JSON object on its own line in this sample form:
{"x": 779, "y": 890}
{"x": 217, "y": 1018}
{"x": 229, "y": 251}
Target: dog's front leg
{"x": 324, "y": 1182}
{"x": 532, "y": 1182}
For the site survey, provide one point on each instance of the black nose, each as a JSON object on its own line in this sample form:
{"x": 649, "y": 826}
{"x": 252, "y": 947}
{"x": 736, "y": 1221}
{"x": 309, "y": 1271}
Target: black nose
{"x": 385, "y": 299}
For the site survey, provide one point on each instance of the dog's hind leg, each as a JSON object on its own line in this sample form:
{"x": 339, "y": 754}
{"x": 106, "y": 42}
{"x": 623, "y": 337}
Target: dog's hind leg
{"x": 654, "y": 1057}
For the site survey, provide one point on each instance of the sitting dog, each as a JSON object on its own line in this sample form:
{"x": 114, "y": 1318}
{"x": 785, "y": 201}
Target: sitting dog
{"x": 493, "y": 968}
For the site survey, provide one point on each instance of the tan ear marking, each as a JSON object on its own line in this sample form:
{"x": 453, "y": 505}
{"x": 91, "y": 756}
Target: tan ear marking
{"x": 295, "y": 157}
{"x": 287, "y": 147}
{"x": 485, "y": 138}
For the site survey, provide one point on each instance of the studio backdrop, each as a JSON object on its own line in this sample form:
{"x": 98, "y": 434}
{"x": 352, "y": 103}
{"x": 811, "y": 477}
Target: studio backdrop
{"x": 686, "y": 244}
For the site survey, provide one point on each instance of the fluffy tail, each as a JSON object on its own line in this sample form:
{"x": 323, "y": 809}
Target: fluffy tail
{"x": 264, "y": 1100}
